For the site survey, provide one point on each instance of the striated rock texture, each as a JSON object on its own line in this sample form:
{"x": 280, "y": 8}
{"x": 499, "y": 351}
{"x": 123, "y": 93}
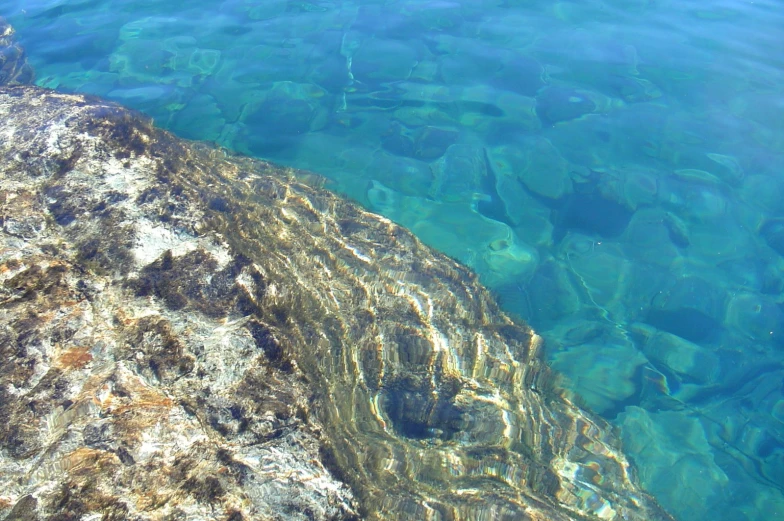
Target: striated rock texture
{"x": 190, "y": 335}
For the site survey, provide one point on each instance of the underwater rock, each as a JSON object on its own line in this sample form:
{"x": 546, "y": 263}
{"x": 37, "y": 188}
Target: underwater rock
{"x": 691, "y": 308}
{"x": 673, "y": 448}
{"x": 488, "y": 246}
{"x": 633, "y": 89}
{"x": 632, "y": 188}
{"x": 694, "y": 194}
{"x": 653, "y": 236}
{"x": 765, "y": 192}
{"x": 538, "y": 165}
{"x": 772, "y": 230}
{"x": 404, "y": 174}
{"x": 458, "y": 174}
{"x": 592, "y": 214}
{"x": 424, "y": 143}
{"x": 381, "y": 59}
{"x": 687, "y": 360}
{"x": 14, "y": 69}
{"x": 600, "y": 268}
{"x": 755, "y": 316}
{"x": 550, "y": 295}
{"x": 521, "y": 73}
{"x": 608, "y": 372}
{"x": 287, "y": 112}
{"x": 557, "y": 104}
{"x": 186, "y": 333}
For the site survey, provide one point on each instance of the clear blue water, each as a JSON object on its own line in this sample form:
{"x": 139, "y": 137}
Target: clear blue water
{"x": 614, "y": 170}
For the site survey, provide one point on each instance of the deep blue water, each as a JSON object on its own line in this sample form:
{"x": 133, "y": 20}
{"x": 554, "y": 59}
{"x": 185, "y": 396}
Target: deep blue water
{"x": 614, "y": 170}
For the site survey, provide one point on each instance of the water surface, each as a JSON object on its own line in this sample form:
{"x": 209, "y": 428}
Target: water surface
{"x": 612, "y": 169}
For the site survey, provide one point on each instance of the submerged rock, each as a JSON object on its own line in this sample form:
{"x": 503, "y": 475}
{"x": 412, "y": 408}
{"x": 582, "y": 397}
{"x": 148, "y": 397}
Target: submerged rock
{"x": 190, "y": 334}
{"x": 14, "y": 69}
{"x": 186, "y": 334}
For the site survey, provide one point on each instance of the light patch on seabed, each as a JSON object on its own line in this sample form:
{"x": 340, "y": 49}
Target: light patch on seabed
{"x": 152, "y": 240}
{"x": 126, "y": 179}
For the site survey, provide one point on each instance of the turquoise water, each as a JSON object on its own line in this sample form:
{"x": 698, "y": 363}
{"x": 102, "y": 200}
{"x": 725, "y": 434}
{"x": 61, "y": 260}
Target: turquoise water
{"x": 613, "y": 170}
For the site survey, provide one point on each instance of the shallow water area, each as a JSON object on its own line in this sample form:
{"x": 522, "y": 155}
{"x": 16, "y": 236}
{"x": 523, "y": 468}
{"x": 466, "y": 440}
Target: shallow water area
{"x": 612, "y": 170}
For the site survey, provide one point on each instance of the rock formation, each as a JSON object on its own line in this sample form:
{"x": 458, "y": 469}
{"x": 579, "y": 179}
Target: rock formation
{"x": 189, "y": 334}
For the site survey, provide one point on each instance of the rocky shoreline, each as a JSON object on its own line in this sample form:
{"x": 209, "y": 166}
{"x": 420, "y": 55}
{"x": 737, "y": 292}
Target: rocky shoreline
{"x": 189, "y": 334}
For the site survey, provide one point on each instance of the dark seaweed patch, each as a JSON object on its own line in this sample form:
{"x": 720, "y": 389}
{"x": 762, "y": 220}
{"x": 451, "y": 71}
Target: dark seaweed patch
{"x": 60, "y": 207}
{"x": 193, "y": 280}
{"x": 39, "y": 283}
{"x": 107, "y": 251}
{"x": 235, "y": 515}
{"x": 72, "y": 501}
{"x": 162, "y": 280}
{"x": 219, "y": 204}
{"x": 266, "y": 342}
{"x": 125, "y": 128}
{"x": 97, "y": 436}
{"x": 24, "y": 510}
{"x": 417, "y": 412}
{"x": 112, "y": 198}
{"x": 21, "y": 441}
{"x": 150, "y": 195}
{"x": 125, "y": 456}
{"x": 66, "y": 164}
{"x": 165, "y": 355}
{"x": 208, "y": 490}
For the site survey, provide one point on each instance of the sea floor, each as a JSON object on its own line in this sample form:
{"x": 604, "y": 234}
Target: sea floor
{"x": 613, "y": 170}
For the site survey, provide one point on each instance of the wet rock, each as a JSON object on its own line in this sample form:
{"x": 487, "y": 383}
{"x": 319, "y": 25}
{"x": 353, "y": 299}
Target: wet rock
{"x": 197, "y": 335}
